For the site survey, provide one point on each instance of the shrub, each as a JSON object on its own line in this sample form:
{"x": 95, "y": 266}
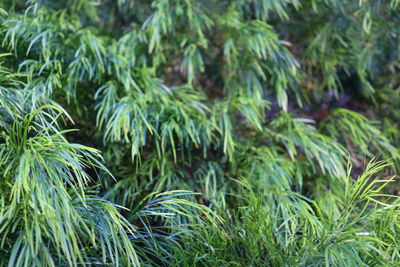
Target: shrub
{"x": 217, "y": 133}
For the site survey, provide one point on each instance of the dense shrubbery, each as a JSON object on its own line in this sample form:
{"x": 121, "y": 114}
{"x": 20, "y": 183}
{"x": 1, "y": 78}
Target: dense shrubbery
{"x": 216, "y": 133}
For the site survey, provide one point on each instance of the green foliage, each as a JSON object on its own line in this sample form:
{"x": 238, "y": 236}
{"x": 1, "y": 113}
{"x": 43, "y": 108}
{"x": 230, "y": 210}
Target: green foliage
{"x": 218, "y": 133}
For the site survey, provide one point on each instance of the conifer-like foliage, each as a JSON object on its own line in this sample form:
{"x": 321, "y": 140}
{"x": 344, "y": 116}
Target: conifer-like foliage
{"x": 199, "y": 133}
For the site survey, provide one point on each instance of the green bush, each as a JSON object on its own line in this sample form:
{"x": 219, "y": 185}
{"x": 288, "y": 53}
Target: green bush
{"x": 209, "y": 133}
